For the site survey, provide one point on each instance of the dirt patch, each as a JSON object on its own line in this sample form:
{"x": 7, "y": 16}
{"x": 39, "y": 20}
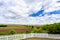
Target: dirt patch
{"x": 18, "y": 30}
{"x": 39, "y": 39}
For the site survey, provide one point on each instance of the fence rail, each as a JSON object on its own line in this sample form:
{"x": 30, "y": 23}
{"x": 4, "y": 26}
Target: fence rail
{"x": 23, "y": 36}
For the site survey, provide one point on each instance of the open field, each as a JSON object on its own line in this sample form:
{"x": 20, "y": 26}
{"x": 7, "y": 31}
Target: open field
{"x": 17, "y": 28}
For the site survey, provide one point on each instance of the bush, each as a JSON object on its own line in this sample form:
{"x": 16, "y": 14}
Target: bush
{"x": 52, "y": 28}
{"x": 36, "y": 31}
{"x": 12, "y": 32}
{"x": 3, "y": 25}
{"x": 28, "y": 31}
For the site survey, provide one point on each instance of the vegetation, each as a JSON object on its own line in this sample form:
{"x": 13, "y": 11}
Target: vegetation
{"x": 36, "y": 30}
{"x": 3, "y": 33}
{"x": 12, "y": 32}
{"x": 3, "y": 25}
{"x": 52, "y": 28}
{"x": 13, "y": 29}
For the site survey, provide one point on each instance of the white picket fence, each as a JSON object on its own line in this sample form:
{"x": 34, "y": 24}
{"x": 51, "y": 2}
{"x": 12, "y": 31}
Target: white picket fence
{"x": 23, "y": 36}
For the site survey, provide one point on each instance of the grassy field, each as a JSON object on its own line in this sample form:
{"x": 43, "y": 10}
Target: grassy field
{"x": 18, "y": 28}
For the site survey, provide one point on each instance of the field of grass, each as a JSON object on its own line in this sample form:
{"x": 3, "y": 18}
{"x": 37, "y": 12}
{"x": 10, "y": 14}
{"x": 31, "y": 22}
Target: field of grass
{"x": 18, "y": 28}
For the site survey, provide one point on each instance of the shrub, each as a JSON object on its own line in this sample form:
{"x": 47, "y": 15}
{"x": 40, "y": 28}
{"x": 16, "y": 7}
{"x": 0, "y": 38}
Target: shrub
{"x": 28, "y": 31}
{"x": 12, "y": 32}
{"x": 3, "y": 25}
{"x": 36, "y": 31}
{"x": 52, "y": 28}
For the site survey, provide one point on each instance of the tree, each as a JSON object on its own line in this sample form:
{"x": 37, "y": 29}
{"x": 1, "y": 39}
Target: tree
{"x": 52, "y": 28}
{"x": 3, "y": 25}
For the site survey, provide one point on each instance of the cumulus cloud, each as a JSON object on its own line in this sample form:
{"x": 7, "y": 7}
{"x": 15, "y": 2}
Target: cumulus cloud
{"x": 18, "y": 11}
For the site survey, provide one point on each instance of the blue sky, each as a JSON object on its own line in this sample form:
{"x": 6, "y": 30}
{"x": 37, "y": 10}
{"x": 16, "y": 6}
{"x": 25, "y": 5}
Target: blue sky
{"x": 41, "y": 12}
{"x": 36, "y": 12}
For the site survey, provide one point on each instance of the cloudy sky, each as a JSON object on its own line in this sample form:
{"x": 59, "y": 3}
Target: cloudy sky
{"x": 34, "y": 12}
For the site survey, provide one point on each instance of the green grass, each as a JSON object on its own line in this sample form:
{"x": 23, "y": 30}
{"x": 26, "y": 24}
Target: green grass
{"x": 13, "y": 27}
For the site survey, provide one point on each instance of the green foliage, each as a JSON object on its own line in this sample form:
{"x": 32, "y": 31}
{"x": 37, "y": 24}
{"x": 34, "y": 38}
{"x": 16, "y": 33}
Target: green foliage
{"x": 3, "y": 25}
{"x": 52, "y": 28}
{"x": 29, "y": 26}
{"x": 36, "y": 31}
{"x": 45, "y": 27}
{"x": 12, "y": 32}
{"x": 55, "y": 28}
{"x": 27, "y": 31}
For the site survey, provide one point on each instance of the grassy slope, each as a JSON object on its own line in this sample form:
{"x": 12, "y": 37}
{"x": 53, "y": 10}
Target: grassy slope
{"x": 17, "y": 28}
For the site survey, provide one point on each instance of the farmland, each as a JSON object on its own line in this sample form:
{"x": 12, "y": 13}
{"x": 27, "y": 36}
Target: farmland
{"x": 17, "y": 28}
{"x": 20, "y": 29}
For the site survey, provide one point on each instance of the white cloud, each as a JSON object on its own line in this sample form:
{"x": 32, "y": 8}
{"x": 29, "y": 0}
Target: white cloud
{"x": 22, "y": 8}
